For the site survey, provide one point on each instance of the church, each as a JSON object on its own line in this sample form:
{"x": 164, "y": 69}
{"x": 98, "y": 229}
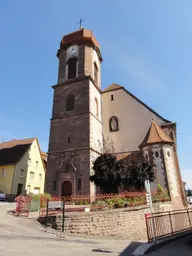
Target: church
{"x": 84, "y": 117}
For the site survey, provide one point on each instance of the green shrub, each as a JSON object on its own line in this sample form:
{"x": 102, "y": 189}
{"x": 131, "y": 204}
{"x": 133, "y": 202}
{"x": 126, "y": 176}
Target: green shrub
{"x": 159, "y": 189}
{"x": 81, "y": 202}
{"x": 35, "y": 201}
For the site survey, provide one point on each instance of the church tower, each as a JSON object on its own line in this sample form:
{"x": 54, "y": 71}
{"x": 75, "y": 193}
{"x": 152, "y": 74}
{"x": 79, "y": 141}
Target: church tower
{"x": 76, "y": 127}
{"x": 159, "y": 149}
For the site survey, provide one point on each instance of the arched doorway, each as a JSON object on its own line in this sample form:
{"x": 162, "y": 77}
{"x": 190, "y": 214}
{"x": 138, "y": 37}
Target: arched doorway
{"x": 66, "y": 188}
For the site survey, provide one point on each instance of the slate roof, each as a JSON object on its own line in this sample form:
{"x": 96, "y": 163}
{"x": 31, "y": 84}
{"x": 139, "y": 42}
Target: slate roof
{"x": 13, "y": 155}
{"x": 155, "y": 135}
{"x": 12, "y": 143}
{"x": 12, "y": 151}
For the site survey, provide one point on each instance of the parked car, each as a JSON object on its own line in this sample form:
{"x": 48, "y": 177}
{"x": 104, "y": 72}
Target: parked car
{"x": 2, "y": 196}
{"x": 189, "y": 199}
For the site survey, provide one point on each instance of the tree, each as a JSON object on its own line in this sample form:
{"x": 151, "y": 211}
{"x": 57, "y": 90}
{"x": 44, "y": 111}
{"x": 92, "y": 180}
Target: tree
{"x": 110, "y": 173}
{"x": 107, "y": 173}
{"x": 138, "y": 172}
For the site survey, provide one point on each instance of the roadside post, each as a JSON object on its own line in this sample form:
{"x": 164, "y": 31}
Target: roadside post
{"x": 63, "y": 213}
{"x": 47, "y": 213}
{"x": 149, "y": 202}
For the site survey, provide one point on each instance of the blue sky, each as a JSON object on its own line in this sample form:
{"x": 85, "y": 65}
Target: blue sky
{"x": 146, "y": 47}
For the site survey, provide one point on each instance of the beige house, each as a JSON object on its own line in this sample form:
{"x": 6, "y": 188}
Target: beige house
{"x": 22, "y": 167}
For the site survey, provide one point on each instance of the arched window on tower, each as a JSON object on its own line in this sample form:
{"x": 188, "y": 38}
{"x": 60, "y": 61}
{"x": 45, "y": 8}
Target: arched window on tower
{"x": 72, "y": 68}
{"x": 96, "y": 107}
{"x": 70, "y": 102}
{"x": 96, "y": 73}
{"x": 113, "y": 124}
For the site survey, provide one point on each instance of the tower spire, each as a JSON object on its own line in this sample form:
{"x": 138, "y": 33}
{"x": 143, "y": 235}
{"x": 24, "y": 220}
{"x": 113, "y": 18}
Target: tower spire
{"x": 80, "y": 23}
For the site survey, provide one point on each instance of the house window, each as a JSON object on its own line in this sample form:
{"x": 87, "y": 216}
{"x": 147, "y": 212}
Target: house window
{"x": 79, "y": 184}
{"x": 54, "y": 185}
{"x": 22, "y": 173}
{"x": 112, "y": 98}
{"x": 37, "y": 163}
{"x": 96, "y": 73}
{"x": 29, "y": 161}
{"x": 70, "y": 103}
{"x": 69, "y": 140}
{"x": 96, "y": 107}
{"x": 2, "y": 172}
{"x": 72, "y": 68}
{"x": 40, "y": 177}
{"x": 32, "y": 175}
{"x": 113, "y": 124}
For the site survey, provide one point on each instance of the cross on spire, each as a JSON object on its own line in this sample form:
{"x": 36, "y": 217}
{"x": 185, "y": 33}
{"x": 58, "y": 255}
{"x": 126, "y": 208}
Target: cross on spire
{"x": 80, "y": 23}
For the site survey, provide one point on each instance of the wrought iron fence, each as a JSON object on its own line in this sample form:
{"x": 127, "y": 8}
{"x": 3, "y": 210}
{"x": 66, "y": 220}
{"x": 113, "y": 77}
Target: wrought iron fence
{"x": 164, "y": 224}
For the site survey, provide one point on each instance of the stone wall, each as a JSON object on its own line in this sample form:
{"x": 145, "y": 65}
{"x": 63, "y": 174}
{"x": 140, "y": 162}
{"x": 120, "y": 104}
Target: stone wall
{"x": 125, "y": 222}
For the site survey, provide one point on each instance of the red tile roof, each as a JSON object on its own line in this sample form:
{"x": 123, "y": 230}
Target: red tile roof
{"x": 82, "y": 34}
{"x": 44, "y": 156}
{"x": 155, "y": 135}
{"x": 132, "y": 155}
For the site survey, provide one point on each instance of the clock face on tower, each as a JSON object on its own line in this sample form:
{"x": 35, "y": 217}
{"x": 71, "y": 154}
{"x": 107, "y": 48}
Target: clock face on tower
{"x": 72, "y": 51}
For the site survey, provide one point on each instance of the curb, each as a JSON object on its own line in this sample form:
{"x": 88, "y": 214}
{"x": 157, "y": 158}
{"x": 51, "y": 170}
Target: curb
{"x": 51, "y": 232}
{"x": 149, "y": 247}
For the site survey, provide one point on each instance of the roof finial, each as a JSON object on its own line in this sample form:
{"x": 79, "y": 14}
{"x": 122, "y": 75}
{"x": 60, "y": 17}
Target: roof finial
{"x": 80, "y": 23}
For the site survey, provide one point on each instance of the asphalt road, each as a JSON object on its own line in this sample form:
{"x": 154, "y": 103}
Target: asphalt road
{"x": 19, "y": 235}
{"x": 181, "y": 247}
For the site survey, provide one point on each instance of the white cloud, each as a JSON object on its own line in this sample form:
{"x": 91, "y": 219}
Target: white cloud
{"x": 187, "y": 177}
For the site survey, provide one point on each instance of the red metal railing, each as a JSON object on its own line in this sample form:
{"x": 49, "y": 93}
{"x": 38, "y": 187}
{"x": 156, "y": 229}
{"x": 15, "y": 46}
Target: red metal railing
{"x": 77, "y": 203}
{"x": 22, "y": 205}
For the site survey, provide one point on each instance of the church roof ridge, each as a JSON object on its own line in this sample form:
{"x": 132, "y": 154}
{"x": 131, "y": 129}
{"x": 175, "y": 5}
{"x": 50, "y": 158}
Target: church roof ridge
{"x": 155, "y": 135}
{"x": 115, "y": 87}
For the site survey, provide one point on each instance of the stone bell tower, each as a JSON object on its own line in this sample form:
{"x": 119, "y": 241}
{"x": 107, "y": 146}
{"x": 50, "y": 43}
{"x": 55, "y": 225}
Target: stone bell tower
{"x": 76, "y": 128}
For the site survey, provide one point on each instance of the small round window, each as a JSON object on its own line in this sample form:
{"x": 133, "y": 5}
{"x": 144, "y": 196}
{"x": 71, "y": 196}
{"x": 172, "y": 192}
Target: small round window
{"x": 157, "y": 154}
{"x": 168, "y": 153}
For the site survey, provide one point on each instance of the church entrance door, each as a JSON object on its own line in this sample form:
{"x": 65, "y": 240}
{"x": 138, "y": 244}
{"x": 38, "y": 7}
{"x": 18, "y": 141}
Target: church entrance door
{"x": 66, "y": 188}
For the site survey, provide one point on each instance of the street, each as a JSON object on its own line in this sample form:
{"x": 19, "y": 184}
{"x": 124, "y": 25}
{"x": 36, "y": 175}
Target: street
{"x": 20, "y": 235}
{"x": 181, "y": 247}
